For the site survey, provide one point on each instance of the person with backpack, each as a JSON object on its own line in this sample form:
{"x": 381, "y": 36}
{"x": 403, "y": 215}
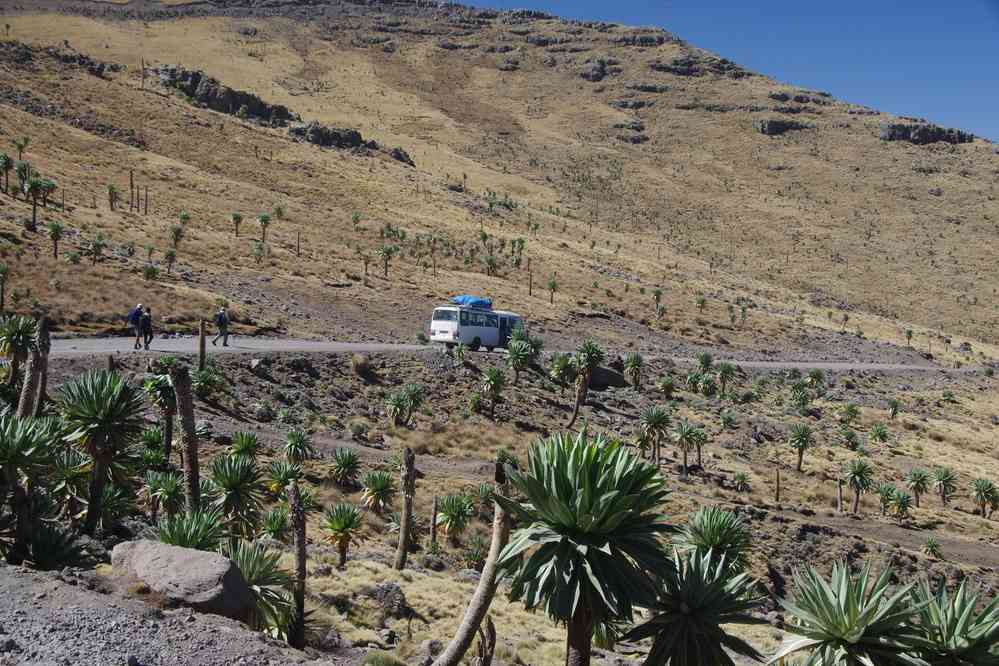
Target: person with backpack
{"x": 222, "y": 321}
{"x": 146, "y": 325}
{"x": 134, "y": 320}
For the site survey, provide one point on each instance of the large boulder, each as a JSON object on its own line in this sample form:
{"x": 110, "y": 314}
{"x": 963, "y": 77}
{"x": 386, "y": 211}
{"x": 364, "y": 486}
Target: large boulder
{"x": 207, "y": 582}
{"x": 603, "y": 378}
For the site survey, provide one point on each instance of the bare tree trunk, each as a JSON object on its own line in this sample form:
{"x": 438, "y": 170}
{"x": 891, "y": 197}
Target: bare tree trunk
{"x": 484, "y": 592}
{"x": 201, "y": 345}
{"x": 167, "y": 435}
{"x": 433, "y": 524}
{"x": 185, "y": 405}
{"x": 296, "y": 631}
{"x": 777, "y": 486}
{"x": 20, "y": 504}
{"x": 916, "y": 495}
{"x": 487, "y": 644}
{"x": 839, "y": 495}
{"x": 408, "y": 483}
{"x": 15, "y": 369}
{"x": 856, "y": 501}
{"x": 98, "y": 479}
{"x": 28, "y": 404}
{"x": 582, "y": 386}
{"x": 579, "y": 639}
{"x": 43, "y": 383}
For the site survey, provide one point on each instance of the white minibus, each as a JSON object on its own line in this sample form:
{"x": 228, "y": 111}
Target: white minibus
{"x": 473, "y": 327}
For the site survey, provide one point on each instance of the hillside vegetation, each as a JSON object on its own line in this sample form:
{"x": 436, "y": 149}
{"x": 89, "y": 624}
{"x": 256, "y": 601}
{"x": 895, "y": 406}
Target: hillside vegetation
{"x": 625, "y": 160}
{"x": 754, "y": 310}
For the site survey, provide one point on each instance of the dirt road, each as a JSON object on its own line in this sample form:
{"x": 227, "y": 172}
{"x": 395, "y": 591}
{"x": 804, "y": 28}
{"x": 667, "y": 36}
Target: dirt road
{"x": 70, "y": 347}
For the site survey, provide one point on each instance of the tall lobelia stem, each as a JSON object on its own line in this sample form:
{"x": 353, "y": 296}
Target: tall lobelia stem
{"x": 181, "y": 379}
{"x": 478, "y": 606}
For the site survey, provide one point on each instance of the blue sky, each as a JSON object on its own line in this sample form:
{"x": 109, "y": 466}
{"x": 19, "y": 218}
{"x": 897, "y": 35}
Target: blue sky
{"x": 938, "y": 60}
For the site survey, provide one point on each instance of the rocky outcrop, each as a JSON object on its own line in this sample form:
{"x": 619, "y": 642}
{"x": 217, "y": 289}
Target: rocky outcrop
{"x": 329, "y": 137}
{"x": 922, "y": 133}
{"x": 597, "y": 68}
{"x": 211, "y": 93}
{"x": 691, "y": 65}
{"x": 777, "y": 126}
{"x": 80, "y": 118}
{"x": 448, "y": 45}
{"x": 207, "y": 582}
{"x": 400, "y": 155}
{"x": 634, "y": 126}
{"x": 509, "y": 65}
{"x": 93, "y": 67}
{"x": 633, "y": 138}
{"x": 24, "y": 55}
{"x": 794, "y": 110}
{"x": 631, "y": 104}
{"x": 656, "y": 88}
{"x": 644, "y": 40}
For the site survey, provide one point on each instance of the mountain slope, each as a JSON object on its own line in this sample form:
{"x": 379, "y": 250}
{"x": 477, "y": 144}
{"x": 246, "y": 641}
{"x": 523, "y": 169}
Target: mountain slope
{"x": 640, "y": 158}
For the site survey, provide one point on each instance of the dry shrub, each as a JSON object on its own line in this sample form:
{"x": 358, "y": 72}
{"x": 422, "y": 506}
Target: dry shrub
{"x": 360, "y": 365}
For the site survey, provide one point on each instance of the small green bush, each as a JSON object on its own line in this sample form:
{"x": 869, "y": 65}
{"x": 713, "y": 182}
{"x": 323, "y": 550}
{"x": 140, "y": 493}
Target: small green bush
{"x": 381, "y": 658}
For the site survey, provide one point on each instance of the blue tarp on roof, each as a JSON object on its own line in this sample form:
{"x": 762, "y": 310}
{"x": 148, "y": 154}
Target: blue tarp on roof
{"x": 477, "y": 302}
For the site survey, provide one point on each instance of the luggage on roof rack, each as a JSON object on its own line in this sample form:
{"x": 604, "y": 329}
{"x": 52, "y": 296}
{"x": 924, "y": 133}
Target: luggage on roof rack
{"x": 476, "y": 302}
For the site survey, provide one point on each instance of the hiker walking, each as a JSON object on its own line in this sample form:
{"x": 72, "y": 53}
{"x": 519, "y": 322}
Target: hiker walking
{"x": 134, "y": 323}
{"x": 222, "y": 321}
{"x": 146, "y": 325}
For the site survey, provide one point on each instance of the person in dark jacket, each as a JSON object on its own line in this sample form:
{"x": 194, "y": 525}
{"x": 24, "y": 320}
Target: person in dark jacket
{"x": 146, "y": 324}
{"x": 134, "y": 320}
{"x": 222, "y": 321}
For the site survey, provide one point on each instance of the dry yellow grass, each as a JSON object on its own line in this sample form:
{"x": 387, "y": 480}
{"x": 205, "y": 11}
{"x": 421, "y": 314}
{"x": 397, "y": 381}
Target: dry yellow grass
{"x": 539, "y": 135}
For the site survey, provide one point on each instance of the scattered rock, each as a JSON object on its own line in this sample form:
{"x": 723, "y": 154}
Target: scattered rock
{"x": 263, "y": 412}
{"x": 401, "y": 155}
{"x": 633, "y": 138}
{"x": 468, "y": 575}
{"x": 433, "y": 563}
{"x": 598, "y": 68}
{"x": 331, "y": 640}
{"x": 429, "y": 649}
{"x": 632, "y": 104}
{"x": 776, "y": 126}
{"x": 649, "y": 87}
{"x": 633, "y": 125}
{"x": 205, "y": 581}
{"x": 392, "y": 601}
{"x": 258, "y": 366}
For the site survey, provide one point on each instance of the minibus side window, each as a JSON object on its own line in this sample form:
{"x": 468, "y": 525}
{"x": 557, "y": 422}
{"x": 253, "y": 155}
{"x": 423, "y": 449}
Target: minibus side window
{"x": 464, "y": 318}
